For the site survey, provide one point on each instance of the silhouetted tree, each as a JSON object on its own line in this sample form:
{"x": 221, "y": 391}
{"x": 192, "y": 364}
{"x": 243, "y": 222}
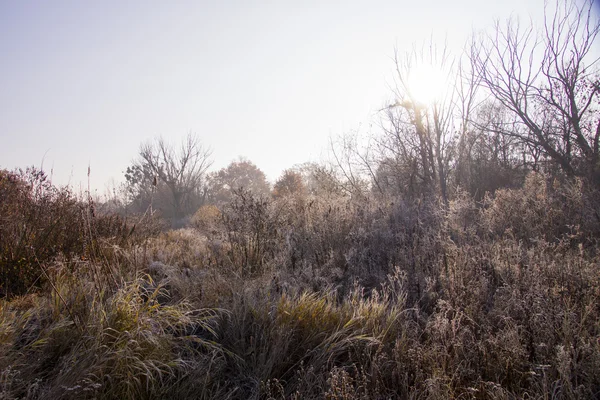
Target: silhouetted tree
{"x": 487, "y": 160}
{"x": 175, "y": 174}
{"x": 417, "y": 148}
{"x": 548, "y": 80}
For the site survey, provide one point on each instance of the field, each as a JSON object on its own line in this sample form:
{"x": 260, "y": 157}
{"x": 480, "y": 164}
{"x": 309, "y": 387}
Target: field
{"x": 302, "y": 297}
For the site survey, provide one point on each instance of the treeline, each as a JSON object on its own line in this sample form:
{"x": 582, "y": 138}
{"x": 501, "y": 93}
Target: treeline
{"x": 520, "y": 99}
{"x": 175, "y": 182}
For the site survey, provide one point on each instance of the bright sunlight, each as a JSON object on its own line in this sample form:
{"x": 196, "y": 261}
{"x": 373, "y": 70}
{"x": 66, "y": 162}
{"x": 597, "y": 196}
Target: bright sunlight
{"x": 426, "y": 84}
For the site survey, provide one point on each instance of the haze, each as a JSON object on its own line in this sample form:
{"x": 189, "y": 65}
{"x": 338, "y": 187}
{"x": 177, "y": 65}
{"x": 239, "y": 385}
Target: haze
{"x": 84, "y": 83}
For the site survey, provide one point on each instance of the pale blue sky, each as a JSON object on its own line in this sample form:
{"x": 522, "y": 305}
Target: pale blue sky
{"x": 85, "y": 82}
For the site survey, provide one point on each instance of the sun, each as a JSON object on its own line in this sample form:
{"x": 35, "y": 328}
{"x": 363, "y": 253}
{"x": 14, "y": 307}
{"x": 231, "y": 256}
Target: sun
{"x": 426, "y": 84}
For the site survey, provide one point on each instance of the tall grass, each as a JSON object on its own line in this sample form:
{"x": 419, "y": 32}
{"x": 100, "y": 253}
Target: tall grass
{"x": 342, "y": 299}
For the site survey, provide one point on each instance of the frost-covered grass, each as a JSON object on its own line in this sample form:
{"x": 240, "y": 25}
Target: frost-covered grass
{"x": 321, "y": 298}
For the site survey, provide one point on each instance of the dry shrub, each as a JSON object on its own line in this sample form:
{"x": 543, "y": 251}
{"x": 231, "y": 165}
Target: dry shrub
{"x": 41, "y": 223}
{"x": 206, "y": 220}
{"x": 335, "y": 240}
{"x": 544, "y": 209}
{"x": 250, "y": 229}
{"x": 38, "y": 222}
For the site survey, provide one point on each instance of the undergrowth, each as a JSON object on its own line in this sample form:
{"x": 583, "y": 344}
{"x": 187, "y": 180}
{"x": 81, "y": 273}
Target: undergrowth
{"x": 311, "y": 298}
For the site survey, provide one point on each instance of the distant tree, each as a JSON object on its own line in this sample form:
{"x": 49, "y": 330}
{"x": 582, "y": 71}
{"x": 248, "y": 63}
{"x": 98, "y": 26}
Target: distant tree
{"x": 290, "y": 183}
{"x": 351, "y": 166}
{"x": 241, "y": 174}
{"x": 176, "y": 175}
{"x": 398, "y": 176}
{"x": 320, "y": 180}
{"x": 487, "y": 160}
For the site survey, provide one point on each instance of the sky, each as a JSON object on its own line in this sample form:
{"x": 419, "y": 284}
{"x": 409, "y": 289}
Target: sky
{"x": 84, "y": 83}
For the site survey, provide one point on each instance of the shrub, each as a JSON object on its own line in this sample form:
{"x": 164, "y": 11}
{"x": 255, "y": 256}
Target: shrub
{"x": 206, "y": 220}
{"x": 41, "y": 223}
{"x": 38, "y": 222}
{"x": 324, "y": 297}
{"x": 250, "y": 226}
{"x": 544, "y": 209}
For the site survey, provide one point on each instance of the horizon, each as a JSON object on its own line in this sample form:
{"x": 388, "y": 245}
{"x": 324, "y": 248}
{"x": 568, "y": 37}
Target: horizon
{"x": 86, "y": 85}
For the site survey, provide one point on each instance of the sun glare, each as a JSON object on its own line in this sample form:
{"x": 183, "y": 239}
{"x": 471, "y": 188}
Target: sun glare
{"x": 426, "y": 84}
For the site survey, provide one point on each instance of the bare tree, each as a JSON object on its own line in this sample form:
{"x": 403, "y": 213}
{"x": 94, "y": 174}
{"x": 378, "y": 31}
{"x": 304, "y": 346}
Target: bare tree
{"x": 487, "y": 160}
{"x": 320, "y": 179}
{"x": 548, "y": 79}
{"x": 180, "y": 172}
{"x": 352, "y": 163}
{"x": 419, "y": 138}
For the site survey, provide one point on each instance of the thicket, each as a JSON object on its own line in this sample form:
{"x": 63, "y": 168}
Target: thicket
{"x": 42, "y": 225}
{"x": 321, "y": 297}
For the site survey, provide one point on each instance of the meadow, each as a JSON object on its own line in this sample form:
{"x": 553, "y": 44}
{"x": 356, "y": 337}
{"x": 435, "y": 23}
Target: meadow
{"x": 302, "y": 296}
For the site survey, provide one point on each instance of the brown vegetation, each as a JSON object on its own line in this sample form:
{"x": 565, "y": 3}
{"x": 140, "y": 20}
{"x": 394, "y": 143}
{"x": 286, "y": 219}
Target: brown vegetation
{"x": 315, "y": 298}
{"x": 458, "y": 257}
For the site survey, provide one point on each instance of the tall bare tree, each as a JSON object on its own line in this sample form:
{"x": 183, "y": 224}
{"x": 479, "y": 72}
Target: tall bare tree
{"x": 180, "y": 172}
{"x": 548, "y": 79}
{"x": 419, "y": 138}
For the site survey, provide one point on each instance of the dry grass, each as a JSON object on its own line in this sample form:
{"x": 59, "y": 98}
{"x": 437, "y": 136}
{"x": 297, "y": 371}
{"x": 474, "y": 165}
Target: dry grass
{"x": 344, "y": 299}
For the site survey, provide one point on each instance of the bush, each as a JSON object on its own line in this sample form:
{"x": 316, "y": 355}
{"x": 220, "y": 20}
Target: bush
{"x": 38, "y": 222}
{"x": 41, "y": 224}
{"x": 544, "y": 209}
{"x": 206, "y": 220}
{"x": 250, "y": 226}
